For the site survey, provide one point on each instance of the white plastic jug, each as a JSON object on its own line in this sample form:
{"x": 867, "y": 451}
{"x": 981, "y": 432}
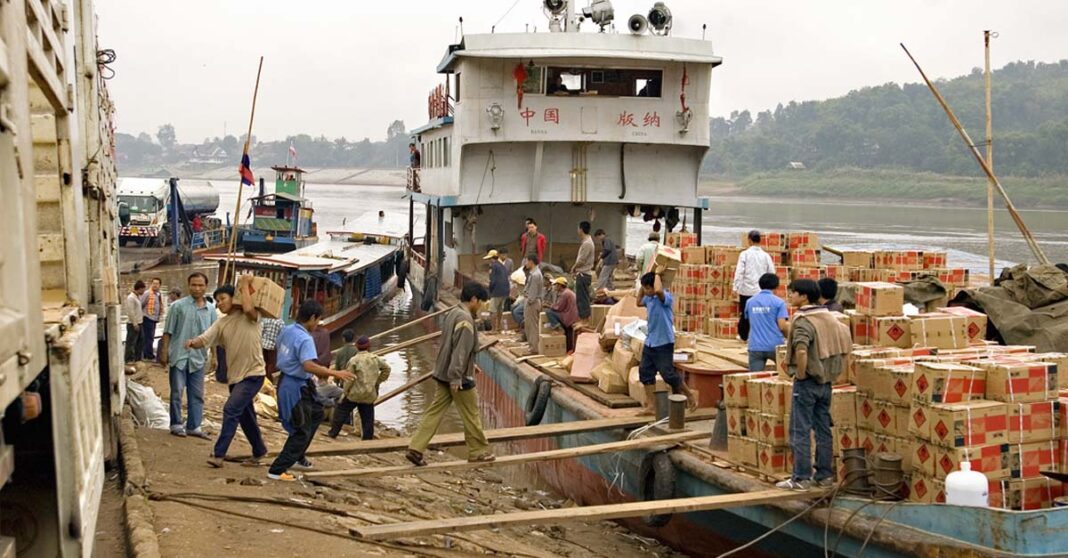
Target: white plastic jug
{"x": 967, "y": 487}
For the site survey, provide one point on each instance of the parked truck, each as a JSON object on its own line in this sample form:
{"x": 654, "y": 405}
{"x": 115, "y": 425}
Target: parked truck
{"x": 144, "y": 216}
{"x": 62, "y": 384}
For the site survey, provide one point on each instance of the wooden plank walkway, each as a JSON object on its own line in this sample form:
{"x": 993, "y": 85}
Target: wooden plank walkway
{"x": 588, "y": 513}
{"x": 505, "y": 460}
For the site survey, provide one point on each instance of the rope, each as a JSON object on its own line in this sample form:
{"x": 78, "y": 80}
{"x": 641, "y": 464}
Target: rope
{"x": 514, "y": 4}
{"x": 773, "y": 530}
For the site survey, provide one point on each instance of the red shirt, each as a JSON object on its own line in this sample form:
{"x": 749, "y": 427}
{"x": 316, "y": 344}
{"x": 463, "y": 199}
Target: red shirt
{"x": 540, "y": 246}
{"x": 566, "y": 307}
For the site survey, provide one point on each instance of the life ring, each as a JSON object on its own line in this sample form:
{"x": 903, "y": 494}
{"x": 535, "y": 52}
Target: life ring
{"x": 538, "y": 400}
{"x": 657, "y": 476}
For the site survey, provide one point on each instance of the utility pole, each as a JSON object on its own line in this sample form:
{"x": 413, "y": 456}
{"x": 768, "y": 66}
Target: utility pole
{"x": 987, "y": 35}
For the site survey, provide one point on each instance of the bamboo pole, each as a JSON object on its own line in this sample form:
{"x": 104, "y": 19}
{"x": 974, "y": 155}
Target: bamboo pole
{"x": 411, "y": 323}
{"x": 420, "y": 379}
{"x": 405, "y": 344}
{"x": 240, "y": 186}
{"x": 1028, "y": 237}
{"x": 989, "y": 160}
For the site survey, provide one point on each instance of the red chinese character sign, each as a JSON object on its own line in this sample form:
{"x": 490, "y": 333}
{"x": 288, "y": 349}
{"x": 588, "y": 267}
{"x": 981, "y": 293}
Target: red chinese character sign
{"x": 626, "y": 119}
{"x": 552, "y": 115}
{"x": 526, "y": 115}
{"x": 651, "y": 119}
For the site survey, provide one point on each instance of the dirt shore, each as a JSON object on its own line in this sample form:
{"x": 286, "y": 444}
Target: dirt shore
{"x": 238, "y": 511}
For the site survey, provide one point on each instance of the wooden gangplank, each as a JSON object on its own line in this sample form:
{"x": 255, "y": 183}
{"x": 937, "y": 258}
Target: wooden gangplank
{"x": 499, "y": 435}
{"x": 587, "y": 513}
{"x": 564, "y": 453}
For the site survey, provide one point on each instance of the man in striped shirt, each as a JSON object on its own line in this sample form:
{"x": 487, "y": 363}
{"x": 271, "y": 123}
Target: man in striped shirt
{"x": 152, "y": 308}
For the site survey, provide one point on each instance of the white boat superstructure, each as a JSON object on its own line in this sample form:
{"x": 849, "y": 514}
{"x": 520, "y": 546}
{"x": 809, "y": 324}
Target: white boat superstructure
{"x": 560, "y": 127}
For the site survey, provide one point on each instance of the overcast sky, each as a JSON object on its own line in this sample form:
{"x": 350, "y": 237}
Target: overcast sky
{"x": 350, "y": 67}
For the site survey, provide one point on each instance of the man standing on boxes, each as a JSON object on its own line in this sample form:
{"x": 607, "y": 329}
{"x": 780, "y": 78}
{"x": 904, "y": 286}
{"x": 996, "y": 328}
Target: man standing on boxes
{"x": 659, "y": 351}
{"x": 769, "y": 321}
{"x": 816, "y": 352}
{"x": 498, "y": 287}
{"x": 583, "y": 270}
{"x": 454, "y": 374}
{"x": 753, "y": 263}
{"x": 533, "y": 292}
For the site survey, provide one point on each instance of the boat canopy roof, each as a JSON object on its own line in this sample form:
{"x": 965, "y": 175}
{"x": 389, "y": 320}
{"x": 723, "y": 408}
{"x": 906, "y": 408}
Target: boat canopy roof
{"x": 331, "y": 256}
{"x": 543, "y": 46}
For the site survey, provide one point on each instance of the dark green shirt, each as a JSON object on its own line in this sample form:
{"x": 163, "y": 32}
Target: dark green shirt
{"x": 343, "y": 356}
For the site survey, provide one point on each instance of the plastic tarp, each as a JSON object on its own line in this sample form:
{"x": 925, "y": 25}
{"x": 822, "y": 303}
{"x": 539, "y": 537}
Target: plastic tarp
{"x": 1026, "y": 306}
{"x": 148, "y": 409}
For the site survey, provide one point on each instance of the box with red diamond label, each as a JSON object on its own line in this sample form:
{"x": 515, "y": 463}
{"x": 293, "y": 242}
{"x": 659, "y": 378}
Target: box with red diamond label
{"x": 844, "y": 406}
{"x": 772, "y": 430}
{"x": 941, "y": 331}
{"x": 992, "y": 460}
{"x": 1019, "y": 382}
{"x": 892, "y": 381}
{"x": 775, "y": 396}
{"x": 845, "y": 437}
{"x": 1032, "y": 493}
{"x": 879, "y": 299}
{"x": 1034, "y": 422}
{"x": 891, "y": 331}
{"x": 898, "y": 259}
{"x": 934, "y": 260}
{"x": 772, "y": 460}
{"x": 868, "y": 381}
{"x": 736, "y": 421}
{"x": 886, "y": 418}
{"x": 972, "y": 423}
{"x": 751, "y": 422}
{"x": 741, "y": 451}
{"x": 735, "y": 390}
{"x": 976, "y": 321}
{"x": 925, "y": 489}
{"x": 1029, "y": 460}
{"x": 947, "y": 382}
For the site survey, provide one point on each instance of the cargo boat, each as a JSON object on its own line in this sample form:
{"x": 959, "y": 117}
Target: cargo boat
{"x": 282, "y": 221}
{"x": 506, "y": 142}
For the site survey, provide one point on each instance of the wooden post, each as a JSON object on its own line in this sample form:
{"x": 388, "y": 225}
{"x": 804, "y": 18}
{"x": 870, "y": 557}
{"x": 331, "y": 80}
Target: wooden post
{"x": 989, "y": 160}
{"x": 240, "y": 186}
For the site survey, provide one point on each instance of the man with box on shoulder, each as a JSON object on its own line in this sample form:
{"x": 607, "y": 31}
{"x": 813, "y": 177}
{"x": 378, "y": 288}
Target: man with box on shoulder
{"x": 658, "y": 354}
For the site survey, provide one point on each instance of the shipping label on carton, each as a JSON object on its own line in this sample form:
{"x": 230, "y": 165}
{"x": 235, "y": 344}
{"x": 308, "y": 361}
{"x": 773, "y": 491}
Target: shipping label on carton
{"x": 992, "y": 460}
{"x": 772, "y": 430}
{"x": 775, "y": 396}
{"x": 735, "y": 391}
{"x": 772, "y": 460}
{"x": 942, "y": 331}
{"x": 1029, "y": 460}
{"x": 973, "y": 423}
{"x": 1034, "y": 422}
{"x": 1020, "y": 382}
{"x": 943, "y": 382}
{"x": 879, "y": 299}
{"x": 742, "y": 451}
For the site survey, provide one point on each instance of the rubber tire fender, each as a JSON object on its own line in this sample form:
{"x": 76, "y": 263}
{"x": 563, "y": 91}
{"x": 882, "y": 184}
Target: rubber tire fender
{"x": 657, "y": 477}
{"x": 538, "y": 400}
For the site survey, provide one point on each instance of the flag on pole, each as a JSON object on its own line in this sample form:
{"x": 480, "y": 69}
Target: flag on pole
{"x": 292, "y": 152}
{"x": 246, "y": 169}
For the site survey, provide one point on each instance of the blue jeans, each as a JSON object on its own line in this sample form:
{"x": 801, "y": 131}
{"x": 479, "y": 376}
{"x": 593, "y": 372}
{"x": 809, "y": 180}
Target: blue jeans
{"x": 182, "y": 378}
{"x": 811, "y": 410}
{"x": 517, "y": 314}
{"x": 758, "y": 360}
{"x": 239, "y": 410}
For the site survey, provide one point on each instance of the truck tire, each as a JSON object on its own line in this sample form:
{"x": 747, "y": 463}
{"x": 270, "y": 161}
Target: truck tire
{"x": 657, "y": 476}
{"x": 538, "y": 400}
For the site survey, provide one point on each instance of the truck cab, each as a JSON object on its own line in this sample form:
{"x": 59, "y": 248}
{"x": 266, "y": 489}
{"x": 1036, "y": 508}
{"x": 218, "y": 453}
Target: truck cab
{"x": 142, "y": 210}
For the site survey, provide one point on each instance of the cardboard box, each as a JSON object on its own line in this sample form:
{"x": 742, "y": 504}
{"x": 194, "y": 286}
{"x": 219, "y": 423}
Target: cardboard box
{"x": 722, "y": 255}
{"x": 941, "y": 331}
{"x": 736, "y": 421}
{"x": 866, "y": 378}
{"x": 976, "y": 322}
{"x": 922, "y": 455}
{"x": 885, "y": 418}
{"x": 934, "y": 260}
{"x": 742, "y": 451}
{"x": 898, "y": 259}
{"x": 874, "y": 442}
{"x": 879, "y": 299}
{"x": 635, "y": 388}
{"x": 893, "y": 382}
{"x": 723, "y": 328}
{"x": 1029, "y": 460}
{"x": 613, "y": 325}
{"x": 857, "y": 259}
{"x": 681, "y": 239}
{"x": 722, "y": 309}
{"x": 610, "y": 382}
{"x": 1032, "y": 494}
{"x": 992, "y": 460}
{"x": 859, "y": 327}
{"x": 845, "y": 437}
{"x": 587, "y": 356}
{"x": 598, "y": 312}
{"x": 1034, "y": 422}
{"x": 772, "y": 429}
{"x": 844, "y": 406}
{"x": 782, "y": 367}
{"x": 770, "y": 241}
{"x": 735, "y": 390}
{"x": 267, "y": 297}
{"x": 839, "y": 273}
{"x": 1021, "y": 382}
{"x": 772, "y": 460}
{"x": 805, "y": 239}
{"x": 552, "y": 344}
{"x": 944, "y": 382}
{"x": 693, "y": 255}
{"x": 890, "y": 331}
{"x": 755, "y": 391}
{"x": 925, "y": 489}
{"x": 670, "y": 258}
{"x": 956, "y": 277}
{"x": 971, "y": 423}
{"x": 805, "y": 257}
{"x": 751, "y": 421}
{"x": 775, "y": 396}
{"x": 812, "y": 273}
{"x": 623, "y": 358}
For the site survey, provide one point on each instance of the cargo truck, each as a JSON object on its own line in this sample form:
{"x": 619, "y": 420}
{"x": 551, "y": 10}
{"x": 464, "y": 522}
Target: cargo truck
{"x": 143, "y": 208}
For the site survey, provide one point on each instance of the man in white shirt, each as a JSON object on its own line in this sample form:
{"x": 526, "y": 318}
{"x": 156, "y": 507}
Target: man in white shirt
{"x": 752, "y": 263}
{"x": 131, "y": 308}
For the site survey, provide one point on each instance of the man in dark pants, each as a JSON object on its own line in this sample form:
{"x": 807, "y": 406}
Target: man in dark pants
{"x": 131, "y": 308}
{"x": 297, "y": 406}
{"x": 152, "y": 308}
{"x": 238, "y": 332}
{"x": 360, "y": 394}
{"x": 753, "y": 263}
{"x": 659, "y": 351}
{"x": 583, "y": 270}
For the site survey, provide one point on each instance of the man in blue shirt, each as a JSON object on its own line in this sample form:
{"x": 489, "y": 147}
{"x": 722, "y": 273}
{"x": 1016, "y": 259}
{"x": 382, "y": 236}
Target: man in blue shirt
{"x": 187, "y": 318}
{"x": 659, "y": 350}
{"x": 498, "y": 286}
{"x": 300, "y": 412}
{"x": 768, "y": 322}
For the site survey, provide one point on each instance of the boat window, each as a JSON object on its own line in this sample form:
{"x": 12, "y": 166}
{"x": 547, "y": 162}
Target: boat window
{"x": 604, "y": 82}
{"x": 450, "y": 242}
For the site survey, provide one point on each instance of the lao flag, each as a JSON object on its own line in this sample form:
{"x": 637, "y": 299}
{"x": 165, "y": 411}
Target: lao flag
{"x": 246, "y": 170}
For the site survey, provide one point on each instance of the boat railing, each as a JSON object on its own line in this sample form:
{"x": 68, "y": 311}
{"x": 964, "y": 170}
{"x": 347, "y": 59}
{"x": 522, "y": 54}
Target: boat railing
{"x": 208, "y": 238}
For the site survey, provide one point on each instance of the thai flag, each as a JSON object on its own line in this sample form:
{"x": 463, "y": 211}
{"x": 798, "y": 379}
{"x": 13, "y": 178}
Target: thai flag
{"x": 292, "y": 151}
{"x": 246, "y": 170}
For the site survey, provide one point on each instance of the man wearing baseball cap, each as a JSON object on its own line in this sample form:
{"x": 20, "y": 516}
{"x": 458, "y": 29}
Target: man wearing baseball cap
{"x": 564, "y": 312}
{"x": 370, "y": 370}
{"x": 498, "y": 286}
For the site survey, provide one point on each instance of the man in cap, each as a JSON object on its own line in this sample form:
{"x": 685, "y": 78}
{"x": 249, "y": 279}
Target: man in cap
{"x": 498, "y": 286}
{"x": 370, "y": 370}
{"x": 564, "y": 312}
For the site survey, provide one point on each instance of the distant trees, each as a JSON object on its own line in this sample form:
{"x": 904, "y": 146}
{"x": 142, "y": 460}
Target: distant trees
{"x": 167, "y": 137}
{"x": 893, "y": 126}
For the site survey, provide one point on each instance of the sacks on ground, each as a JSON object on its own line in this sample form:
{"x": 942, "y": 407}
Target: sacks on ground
{"x": 147, "y": 407}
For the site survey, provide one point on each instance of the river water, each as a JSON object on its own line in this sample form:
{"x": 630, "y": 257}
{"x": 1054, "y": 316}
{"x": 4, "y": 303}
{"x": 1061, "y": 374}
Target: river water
{"x": 960, "y": 231}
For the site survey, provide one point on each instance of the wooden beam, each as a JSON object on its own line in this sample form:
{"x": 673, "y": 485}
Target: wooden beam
{"x": 564, "y": 453}
{"x": 420, "y": 379}
{"x": 405, "y": 344}
{"x": 411, "y": 323}
{"x": 499, "y": 435}
{"x": 587, "y": 513}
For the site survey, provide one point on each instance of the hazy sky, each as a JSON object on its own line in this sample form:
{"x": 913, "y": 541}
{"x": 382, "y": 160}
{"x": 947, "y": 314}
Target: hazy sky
{"x": 349, "y": 67}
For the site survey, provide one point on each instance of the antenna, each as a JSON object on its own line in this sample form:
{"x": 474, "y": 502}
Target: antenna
{"x": 461, "y": 26}
{"x": 704, "y": 27}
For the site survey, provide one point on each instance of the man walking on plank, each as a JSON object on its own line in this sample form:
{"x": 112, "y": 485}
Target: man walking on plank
{"x": 454, "y": 374}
